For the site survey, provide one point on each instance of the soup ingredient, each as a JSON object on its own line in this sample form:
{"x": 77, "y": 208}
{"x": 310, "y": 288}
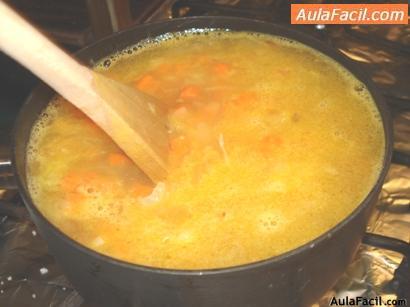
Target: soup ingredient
{"x": 130, "y": 118}
{"x": 271, "y": 145}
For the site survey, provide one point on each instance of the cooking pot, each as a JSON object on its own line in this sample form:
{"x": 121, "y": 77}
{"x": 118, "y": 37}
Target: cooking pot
{"x": 296, "y": 278}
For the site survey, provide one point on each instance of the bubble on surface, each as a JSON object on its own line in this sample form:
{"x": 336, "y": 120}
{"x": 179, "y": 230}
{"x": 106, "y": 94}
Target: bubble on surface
{"x": 270, "y": 221}
{"x": 107, "y": 63}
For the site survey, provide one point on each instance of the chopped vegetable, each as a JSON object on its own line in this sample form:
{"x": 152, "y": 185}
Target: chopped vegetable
{"x": 141, "y": 189}
{"x": 190, "y": 92}
{"x": 147, "y": 83}
{"x": 179, "y": 145}
{"x": 118, "y": 159}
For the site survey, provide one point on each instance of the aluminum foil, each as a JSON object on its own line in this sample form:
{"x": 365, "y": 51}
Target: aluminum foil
{"x": 29, "y": 276}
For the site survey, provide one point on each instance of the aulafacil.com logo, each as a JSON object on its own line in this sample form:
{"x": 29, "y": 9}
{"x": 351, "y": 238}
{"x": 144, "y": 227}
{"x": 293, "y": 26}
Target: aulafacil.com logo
{"x": 349, "y": 13}
{"x": 363, "y": 301}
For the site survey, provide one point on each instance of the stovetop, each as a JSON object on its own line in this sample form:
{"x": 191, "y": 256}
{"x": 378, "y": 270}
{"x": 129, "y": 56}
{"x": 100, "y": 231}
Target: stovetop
{"x": 29, "y": 276}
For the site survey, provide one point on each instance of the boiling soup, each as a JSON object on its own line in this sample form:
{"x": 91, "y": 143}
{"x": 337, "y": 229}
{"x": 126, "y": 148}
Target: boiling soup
{"x": 271, "y": 144}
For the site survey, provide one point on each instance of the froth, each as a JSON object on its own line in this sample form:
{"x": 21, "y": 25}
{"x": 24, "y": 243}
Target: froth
{"x": 36, "y": 135}
{"x": 152, "y": 42}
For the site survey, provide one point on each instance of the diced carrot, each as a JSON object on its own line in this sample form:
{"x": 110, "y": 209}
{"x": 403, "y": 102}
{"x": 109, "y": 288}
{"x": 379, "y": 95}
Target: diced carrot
{"x": 118, "y": 159}
{"x": 189, "y": 92}
{"x": 147, "y": 83}
{"x": 179, "y": 146}
{"x": 221, "y": 69}
{"x": 141, "y": 189}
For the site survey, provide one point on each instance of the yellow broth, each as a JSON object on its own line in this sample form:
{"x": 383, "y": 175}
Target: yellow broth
{"x": 271, "y": 145}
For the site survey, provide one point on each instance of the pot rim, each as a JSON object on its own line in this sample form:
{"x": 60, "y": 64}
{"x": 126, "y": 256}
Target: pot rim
{"x": 330, "y": 52}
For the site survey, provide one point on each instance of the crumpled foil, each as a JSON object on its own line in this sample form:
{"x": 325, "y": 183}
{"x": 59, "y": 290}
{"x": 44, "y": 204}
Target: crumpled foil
{"x": 29, "y": 276}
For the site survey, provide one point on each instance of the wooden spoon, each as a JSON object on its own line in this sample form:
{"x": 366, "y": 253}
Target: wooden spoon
{"x": 133, "y": 120}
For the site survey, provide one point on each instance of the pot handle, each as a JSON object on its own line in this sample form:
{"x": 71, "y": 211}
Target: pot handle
{"x": 400, "y": 281}
{"x": 388, "y": 243}
{"x": 7, "y": 181}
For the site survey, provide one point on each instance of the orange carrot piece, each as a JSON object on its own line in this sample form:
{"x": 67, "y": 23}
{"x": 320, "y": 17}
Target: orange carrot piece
{"x": 221, "y": 69}
{"x": 179, "y": 145}
{"x": 147, "y": 83}
{"x": 118, "y": 159}
{"x": 141, "y": 189}
{"x": 190, "y": 92}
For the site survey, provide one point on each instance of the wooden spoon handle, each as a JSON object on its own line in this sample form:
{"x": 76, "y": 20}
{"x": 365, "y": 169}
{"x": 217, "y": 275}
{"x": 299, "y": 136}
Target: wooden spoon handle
{"x": 133, "y": 120}
{"x": 33, "y": 50}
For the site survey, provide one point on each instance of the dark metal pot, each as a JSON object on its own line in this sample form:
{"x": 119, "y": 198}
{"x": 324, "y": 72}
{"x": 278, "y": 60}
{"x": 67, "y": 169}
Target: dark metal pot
{"x": 296, "y": 278}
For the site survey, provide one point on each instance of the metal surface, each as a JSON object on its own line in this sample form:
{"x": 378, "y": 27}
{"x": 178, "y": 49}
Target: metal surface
{"x": 295, "y": 278}
{"x": 29, "y": 276}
